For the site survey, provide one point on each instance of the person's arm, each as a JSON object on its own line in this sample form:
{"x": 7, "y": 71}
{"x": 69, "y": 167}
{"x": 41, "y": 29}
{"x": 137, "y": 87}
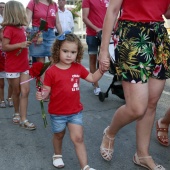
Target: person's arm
{"x": 29, "y": 16}
{"x": 58, "y": 25}
{"x": 167, "y": 14}
{"x": 6, "y": 46}
{"x": 72, "y": 22}
{"x": 94, "y": 77}
{"x": 85, "y": 12}
{"x": 108, "y": 25}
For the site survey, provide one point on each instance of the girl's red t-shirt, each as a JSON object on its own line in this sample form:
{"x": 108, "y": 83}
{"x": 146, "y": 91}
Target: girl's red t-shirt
{"x": 65, "y": 89}
{"x": 144, "y": 10}
{"x": 16, "y": 63}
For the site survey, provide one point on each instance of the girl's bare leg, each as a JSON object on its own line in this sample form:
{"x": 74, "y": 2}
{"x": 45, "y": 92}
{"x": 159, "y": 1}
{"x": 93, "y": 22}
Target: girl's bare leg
{"x": 25, "y": 88}
{"x": 76, "y": 135}
{"x": 145, "y": 124}
{"x": 2, "y": 84}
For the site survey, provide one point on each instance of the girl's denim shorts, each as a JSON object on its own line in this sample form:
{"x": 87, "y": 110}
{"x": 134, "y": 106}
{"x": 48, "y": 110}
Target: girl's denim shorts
{"x": 59, "y": 122}
{"x": 43, "y": 49}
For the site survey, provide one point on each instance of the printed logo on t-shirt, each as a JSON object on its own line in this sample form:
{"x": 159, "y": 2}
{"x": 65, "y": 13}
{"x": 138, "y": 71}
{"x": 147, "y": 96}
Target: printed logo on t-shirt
{"x": 52, "y": 12}
{"x": 75, "y": 79}
{"x": 106, "y": 2}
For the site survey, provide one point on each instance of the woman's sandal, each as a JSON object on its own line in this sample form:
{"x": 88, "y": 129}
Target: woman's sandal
{"x": 27, "y": 125}
{"x": 137, "y": 159}
{"x": 107, "y": 153}
{"x": 87, "y": 166}
{"x": 16, "y": 118}
{"x": 162, "y": 139}
{"x": 58, "y": 161}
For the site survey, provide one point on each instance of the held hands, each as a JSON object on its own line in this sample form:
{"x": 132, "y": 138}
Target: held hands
{"x": 104, "y": 61}
{"x": 42, "y": 95}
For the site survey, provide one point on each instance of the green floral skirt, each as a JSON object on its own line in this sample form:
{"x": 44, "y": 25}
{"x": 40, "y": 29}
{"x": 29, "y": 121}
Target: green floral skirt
{"x": 142, "y": 51}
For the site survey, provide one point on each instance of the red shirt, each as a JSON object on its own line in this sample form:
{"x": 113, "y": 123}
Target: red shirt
{"x": 144, "y": 11}
{"x": 13, "y": 62}
{"x": 65, "y": 89}
{"x": 43, "y": 11}
{"x": 97, "y": 11}
{"x": 2, "y": 61}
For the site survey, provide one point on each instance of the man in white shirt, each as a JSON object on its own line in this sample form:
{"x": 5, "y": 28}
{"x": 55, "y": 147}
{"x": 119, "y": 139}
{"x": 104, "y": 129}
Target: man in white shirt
{"x": 65, "y": 17}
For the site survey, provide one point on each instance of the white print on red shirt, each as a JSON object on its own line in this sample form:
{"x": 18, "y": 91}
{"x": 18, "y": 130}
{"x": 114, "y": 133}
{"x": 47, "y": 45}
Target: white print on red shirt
{"x": 52, "y": 12}
{"x": 75, "y": 79}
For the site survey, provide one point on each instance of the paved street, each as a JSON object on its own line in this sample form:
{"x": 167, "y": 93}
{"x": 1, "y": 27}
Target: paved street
{"x": 21, "y": 149}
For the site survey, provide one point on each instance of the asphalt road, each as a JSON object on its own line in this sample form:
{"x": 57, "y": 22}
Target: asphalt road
{"x": 21, "y": 149}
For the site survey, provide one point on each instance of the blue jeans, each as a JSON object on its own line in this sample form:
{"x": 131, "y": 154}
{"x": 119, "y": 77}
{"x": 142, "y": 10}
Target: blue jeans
{"x": 59, "y": 123}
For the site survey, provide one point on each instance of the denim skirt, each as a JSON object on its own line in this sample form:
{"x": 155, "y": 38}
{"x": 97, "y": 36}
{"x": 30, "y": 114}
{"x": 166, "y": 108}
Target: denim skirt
{"x": 43, "y": 49}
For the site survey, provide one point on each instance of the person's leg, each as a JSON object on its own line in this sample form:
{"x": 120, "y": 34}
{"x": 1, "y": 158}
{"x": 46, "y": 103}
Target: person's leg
{"x": 40, "y": 59}
{"x": 15, "y": 84}
{"x": 25, "y": 88}
{"x": 136, "y": 96}
{"x": 57, "y": 142}
{"x": 93, "y": 45}
{"x": 9, "y": 98}
{"x": 145, "y": 124}
{"x": 76, "y": 135}
{"x": 2, "y": 84}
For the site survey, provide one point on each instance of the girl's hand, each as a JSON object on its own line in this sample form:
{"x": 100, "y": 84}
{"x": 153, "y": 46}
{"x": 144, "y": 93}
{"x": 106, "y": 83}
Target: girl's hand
{"x": 25, "y": 44}
{"x": 42, "y": 95}
{"x": 39, "y": 95}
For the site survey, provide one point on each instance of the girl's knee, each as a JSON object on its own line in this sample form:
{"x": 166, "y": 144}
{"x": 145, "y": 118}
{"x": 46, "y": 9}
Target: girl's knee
{"x": 77, "y": 139}
{"x": 58, "y": 136}
{"x": 137, "y": 112}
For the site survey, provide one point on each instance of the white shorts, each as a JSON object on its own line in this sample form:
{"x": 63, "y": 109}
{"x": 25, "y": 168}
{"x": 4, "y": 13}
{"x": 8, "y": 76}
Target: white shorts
{"x": 16, "y": 75}
{"x": 2, "y": 74}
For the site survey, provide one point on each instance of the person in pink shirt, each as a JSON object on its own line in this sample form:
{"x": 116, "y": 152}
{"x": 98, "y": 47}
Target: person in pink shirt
{"x": 16, "y": 65}
{"x": 47, "y": 10}
{"x": 62, "y": 83}
{"x": 142, "y": 51}
{"x": 93, "y": 16}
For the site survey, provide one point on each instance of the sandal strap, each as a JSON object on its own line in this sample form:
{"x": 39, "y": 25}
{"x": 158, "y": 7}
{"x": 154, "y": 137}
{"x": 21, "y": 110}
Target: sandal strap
{"x": 107, "y": 135}
{"x": 87, "y": 166}
{"x": 16, "y": 114}
{"x": 162, "y": 129}
{"x": 57, "y": 156}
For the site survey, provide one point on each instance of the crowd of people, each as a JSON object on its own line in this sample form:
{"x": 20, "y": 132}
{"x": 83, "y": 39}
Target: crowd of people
{"x": 142, "y": 59}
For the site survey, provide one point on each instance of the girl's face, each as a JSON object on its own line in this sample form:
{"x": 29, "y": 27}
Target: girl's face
{"x": 68, "y": 53}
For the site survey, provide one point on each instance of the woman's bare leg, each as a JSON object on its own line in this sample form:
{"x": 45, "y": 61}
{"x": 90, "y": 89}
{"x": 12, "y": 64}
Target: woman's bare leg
{"x": 145, "y": 124}
{"x": 136, "y": 96}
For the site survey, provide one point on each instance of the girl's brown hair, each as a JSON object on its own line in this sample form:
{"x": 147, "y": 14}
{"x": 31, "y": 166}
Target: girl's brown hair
{"x": 58, "y": 43}
{"x": 14, "y": 14}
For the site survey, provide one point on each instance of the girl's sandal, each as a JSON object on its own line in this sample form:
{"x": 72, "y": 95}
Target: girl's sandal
{"x": 87, "y": 168}
{"x": 27, "y": 125}
{"x": 58, "y": 161}
{"x": 107, "y": 153}
{"x": 10, "y": 102}
{"x": 137, "y": 159}
{"x": 16, "y": 118}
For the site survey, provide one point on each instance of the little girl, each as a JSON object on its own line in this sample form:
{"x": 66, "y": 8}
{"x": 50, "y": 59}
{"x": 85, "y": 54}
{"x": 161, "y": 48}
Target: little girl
{"x": 17, "y": 65}
{"x": 62, "y": 83}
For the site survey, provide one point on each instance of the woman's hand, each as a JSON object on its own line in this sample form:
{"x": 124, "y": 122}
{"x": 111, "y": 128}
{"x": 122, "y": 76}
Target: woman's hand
{"x": 104, "y": 61}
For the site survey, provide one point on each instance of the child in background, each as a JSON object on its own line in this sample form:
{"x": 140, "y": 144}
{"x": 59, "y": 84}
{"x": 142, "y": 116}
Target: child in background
{"x": 62, "y": 82}
{"x": 2, "y": 68}
{"x": 17, "y": 65}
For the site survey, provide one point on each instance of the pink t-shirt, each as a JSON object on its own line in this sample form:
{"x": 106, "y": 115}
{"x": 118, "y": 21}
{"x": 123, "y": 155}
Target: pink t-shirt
{"x": 144, "y": 11}
{"x": 43, "y": 11}
{"x": 97, "y": 11}
{"x": 14, "y": 63}
{"x": 65, "y": 89}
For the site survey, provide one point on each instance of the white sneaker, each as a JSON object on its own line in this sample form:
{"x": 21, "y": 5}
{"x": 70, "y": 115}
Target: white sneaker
{"x": 97, "y": 90}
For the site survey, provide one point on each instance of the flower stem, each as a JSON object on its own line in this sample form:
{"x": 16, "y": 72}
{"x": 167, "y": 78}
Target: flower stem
{"x": 43, "y": 113}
